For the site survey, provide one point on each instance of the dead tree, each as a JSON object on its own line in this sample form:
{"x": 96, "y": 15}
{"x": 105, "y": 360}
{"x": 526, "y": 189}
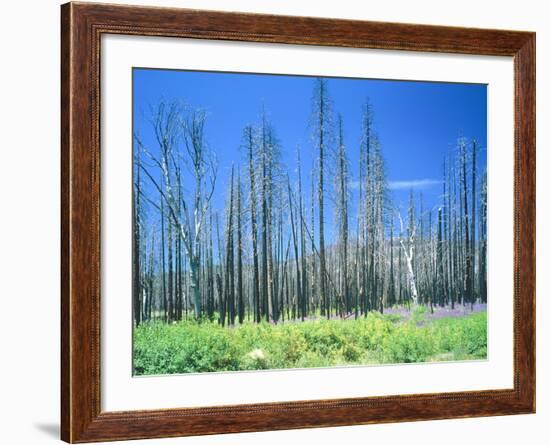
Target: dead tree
{"x": 174, "y": 128}
{"x": 408, "y": 252}
{"x": 321, "y": 119}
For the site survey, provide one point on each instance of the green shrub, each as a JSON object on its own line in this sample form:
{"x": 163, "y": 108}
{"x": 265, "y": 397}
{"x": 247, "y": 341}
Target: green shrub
{"x": 408, "y": 344}
{"x": 465, "y": 337}
{"x": 190, "y": 346}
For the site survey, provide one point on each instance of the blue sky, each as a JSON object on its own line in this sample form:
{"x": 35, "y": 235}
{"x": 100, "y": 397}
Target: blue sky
{"x": 417, "y": 123}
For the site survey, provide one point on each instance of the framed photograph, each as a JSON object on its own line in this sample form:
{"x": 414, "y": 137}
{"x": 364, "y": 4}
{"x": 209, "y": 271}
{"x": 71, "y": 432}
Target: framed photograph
{"x": 274, "y": 222}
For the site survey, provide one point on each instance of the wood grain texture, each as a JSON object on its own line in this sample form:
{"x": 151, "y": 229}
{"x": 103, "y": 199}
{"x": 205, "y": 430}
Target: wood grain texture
{"x": 81, "y": 28}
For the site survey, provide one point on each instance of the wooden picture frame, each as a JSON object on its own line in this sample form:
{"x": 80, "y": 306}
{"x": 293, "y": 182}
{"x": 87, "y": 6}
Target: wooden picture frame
{"x": 82, "y": 25}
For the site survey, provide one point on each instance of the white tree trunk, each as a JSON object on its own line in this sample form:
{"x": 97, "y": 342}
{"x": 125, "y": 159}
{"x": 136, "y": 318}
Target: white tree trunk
{"x": 410, "y": 272}
{"x": 409, "y": 254}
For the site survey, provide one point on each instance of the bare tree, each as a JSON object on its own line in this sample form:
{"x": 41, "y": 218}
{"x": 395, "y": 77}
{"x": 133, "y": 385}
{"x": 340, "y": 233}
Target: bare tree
{"x": 342, "y": 178}
{"x": 267, "y": 257}
{"x": 173, "y": 129}
{"x": 240, "y": 286}
{"x": 248, "y": 136}
{"x": 321, "y": 119}
{"x": 408, "y": 251}
{"x": 137, "y": 248}
{"x": 482, "y": 274}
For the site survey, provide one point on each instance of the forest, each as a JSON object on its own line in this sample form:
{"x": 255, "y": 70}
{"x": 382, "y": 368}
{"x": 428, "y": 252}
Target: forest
{"x": 320, "y": 245}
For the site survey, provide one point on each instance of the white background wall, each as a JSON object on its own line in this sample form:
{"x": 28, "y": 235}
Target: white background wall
{"x": 29, "y": 219}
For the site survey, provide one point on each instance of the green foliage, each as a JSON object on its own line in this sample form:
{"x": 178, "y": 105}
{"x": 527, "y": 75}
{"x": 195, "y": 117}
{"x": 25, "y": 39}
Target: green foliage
{"x": 190, "y": 346}
{"x": 419, "y": 314}
{"x": 465, "y": 337}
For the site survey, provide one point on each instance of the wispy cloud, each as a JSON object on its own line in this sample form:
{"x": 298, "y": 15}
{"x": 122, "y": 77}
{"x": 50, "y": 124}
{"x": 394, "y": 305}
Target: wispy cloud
{"x": 404, "y": 185}
{"x": 413, "y": 184}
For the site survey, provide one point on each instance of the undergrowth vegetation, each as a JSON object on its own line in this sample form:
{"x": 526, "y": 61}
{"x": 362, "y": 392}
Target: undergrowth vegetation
{"x": 190, "y": 346}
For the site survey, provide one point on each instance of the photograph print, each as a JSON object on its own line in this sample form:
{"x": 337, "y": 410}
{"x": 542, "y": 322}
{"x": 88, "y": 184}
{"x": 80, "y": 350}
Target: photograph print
{"x": 286, "y": 222}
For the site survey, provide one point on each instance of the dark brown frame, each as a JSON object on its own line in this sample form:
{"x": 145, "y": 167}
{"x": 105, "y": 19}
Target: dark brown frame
{"x": 82, "y": 25}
